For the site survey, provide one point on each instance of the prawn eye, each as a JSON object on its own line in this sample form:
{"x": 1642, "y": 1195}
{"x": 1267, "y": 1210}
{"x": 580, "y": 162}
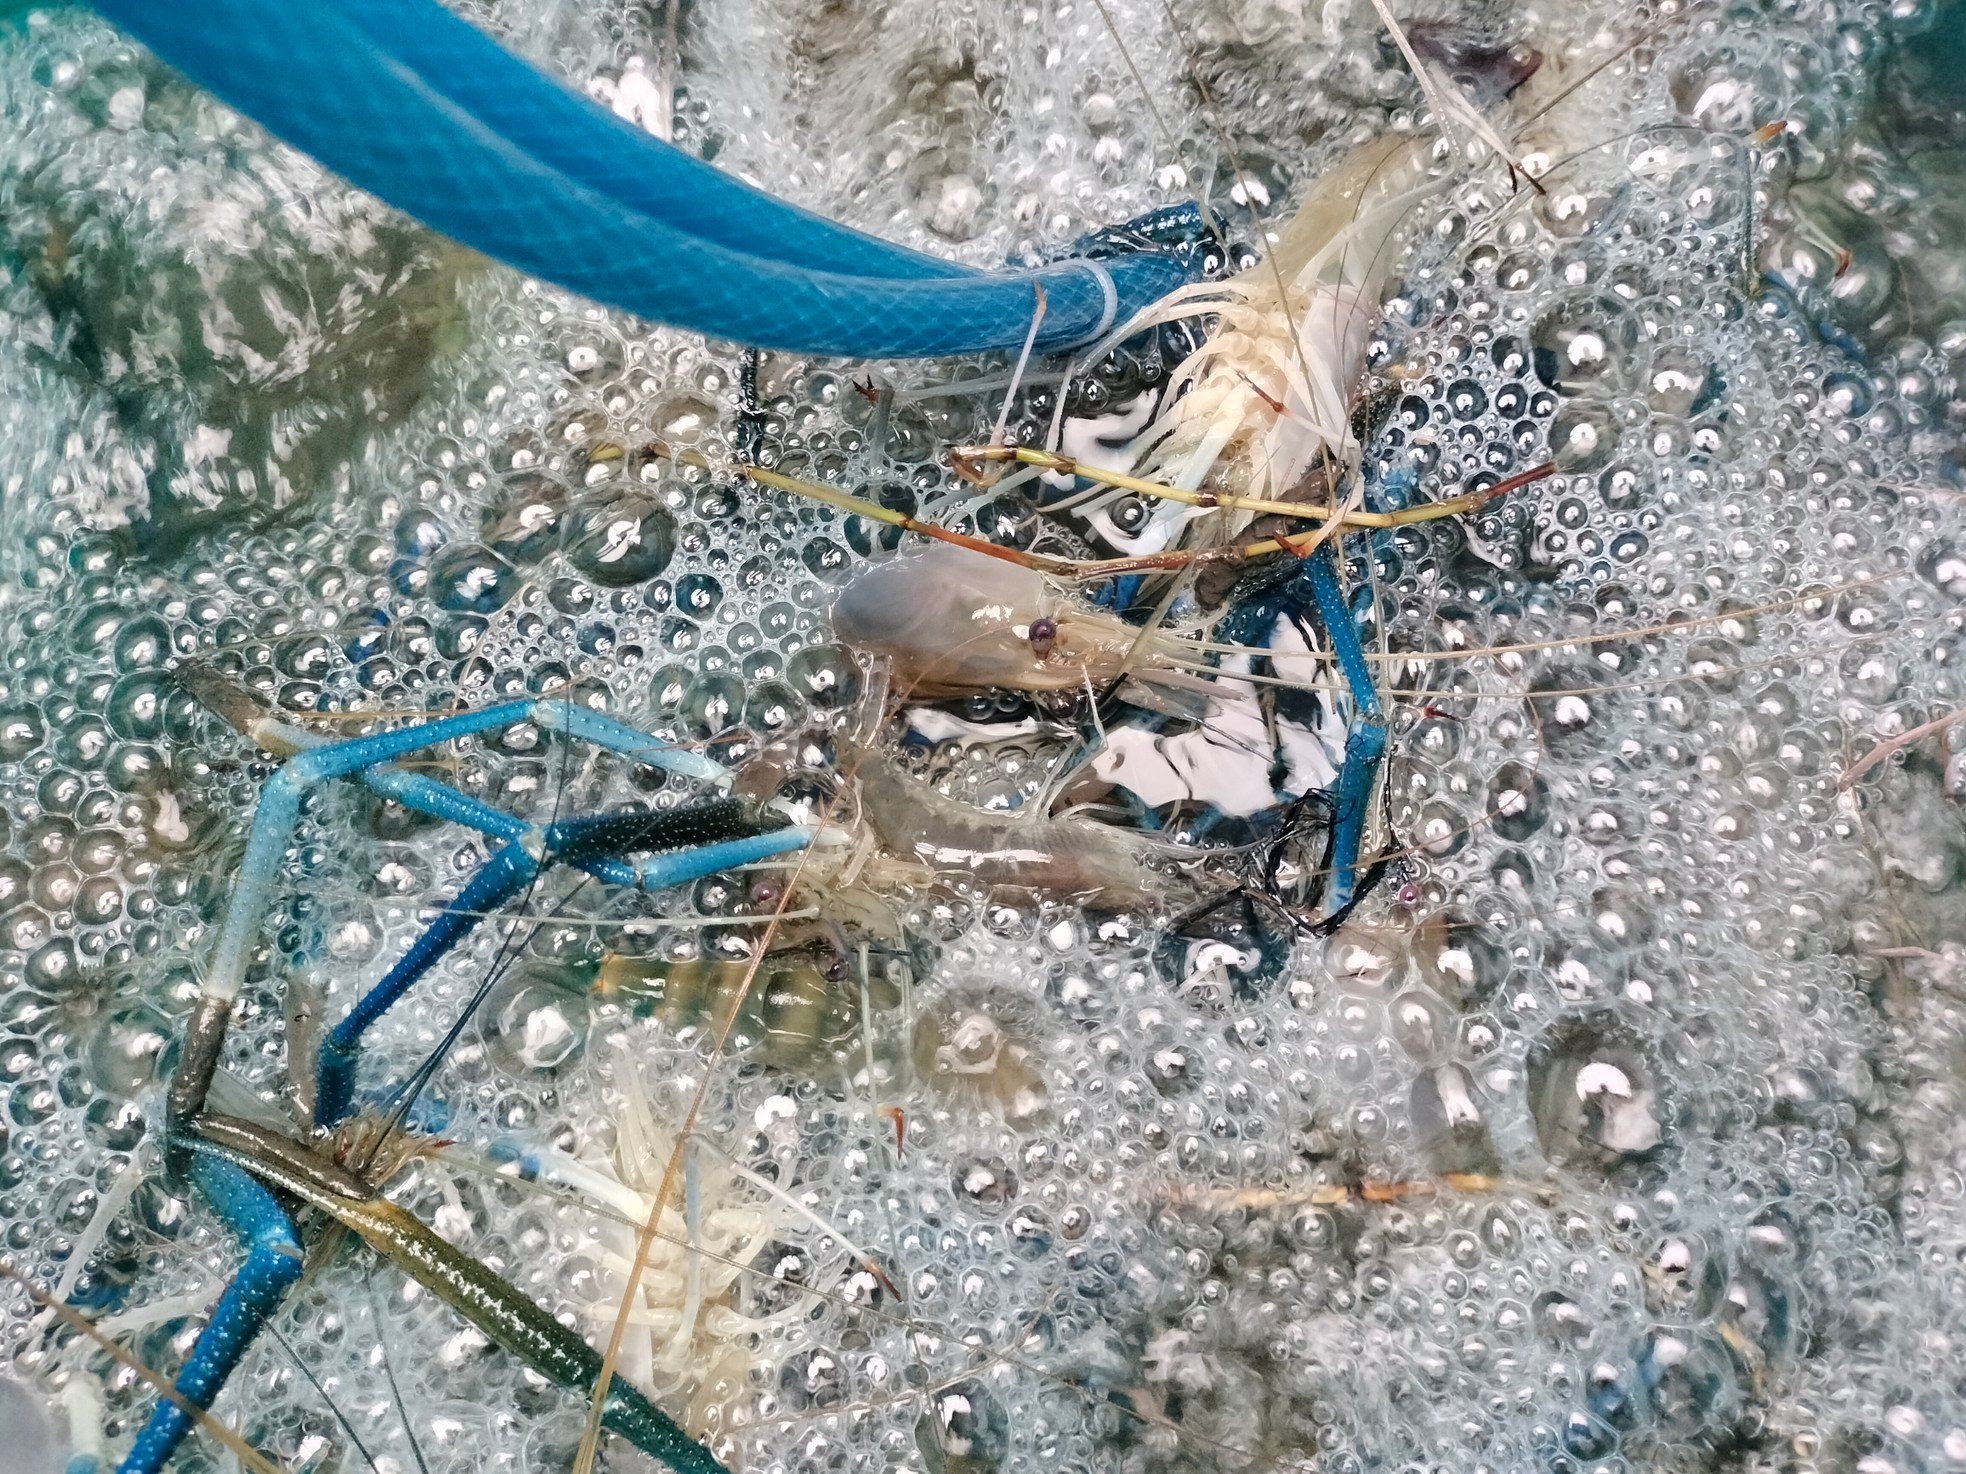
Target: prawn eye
{"x": 1044, "y": 635}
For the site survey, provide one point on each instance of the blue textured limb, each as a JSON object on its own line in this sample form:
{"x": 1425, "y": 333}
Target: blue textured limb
{"x": 315, "y": 762}
{"x": 439, "y": 800}
{"x": 279, "y": 809}
{"x": 510, "y": 870}
{"x": 1341, "y": 629}
{"x": 1365, "y": 745}
{"x": 425, "y": 795}
{"x": 580, "y": 842}
{"x": 1365, "y": 742}
{"x": 279, "y": 803}
{"x": 273, "y": 1263}
{"x": 368, "y": 113}
{"x": 592, "y": 726}
{"x": 677, "y": 867}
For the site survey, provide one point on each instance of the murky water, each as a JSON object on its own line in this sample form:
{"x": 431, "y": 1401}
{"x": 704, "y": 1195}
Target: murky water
{"x": 1615, "y": 1129}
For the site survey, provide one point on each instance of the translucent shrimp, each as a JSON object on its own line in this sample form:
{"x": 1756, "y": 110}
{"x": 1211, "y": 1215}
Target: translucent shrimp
{"x": 953, "y": 622}
{"x": 1108, "y": 868}
{"x": 1270, "y": 393}
{"x": 691, "y": 1345}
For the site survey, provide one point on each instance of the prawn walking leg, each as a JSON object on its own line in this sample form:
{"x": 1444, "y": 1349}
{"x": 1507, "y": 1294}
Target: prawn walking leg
{"x": 273, "y": 1263}
{"x": 1365, "y": 743}
{"x": 690, "y": 842}
{"x": 313, "y": 765}
{"x": 648, "y": 849}
{"x": 245, "y": 714}
{"x": 490, "y": 1303}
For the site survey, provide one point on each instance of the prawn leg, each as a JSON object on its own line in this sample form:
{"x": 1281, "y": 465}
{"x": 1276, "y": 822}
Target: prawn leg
{"x": 690, "y": 842}
{"x": 273, "y": 1263}
{"x": 487, "y": 1301}
{"x": 313, "y": 764}
{"x": 245, "y": 714}
{"x": 1365, "y": 742}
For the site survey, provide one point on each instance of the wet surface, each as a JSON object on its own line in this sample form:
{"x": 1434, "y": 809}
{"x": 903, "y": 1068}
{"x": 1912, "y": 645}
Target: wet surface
{"x": 1616, "y": 1129}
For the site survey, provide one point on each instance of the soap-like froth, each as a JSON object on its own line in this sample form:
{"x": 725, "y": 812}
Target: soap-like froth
{"x": 1620, "y": 1133}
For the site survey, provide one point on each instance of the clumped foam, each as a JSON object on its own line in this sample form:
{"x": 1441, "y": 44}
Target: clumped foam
{"x": 1620, "y": 1133}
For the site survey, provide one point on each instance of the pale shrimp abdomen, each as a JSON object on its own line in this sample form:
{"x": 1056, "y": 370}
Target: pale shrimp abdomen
{"x": 1060, "y": 857}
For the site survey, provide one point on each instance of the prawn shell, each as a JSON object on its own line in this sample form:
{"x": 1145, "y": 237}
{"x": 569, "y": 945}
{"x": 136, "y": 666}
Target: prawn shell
{"x": 952, "y": 621}
{"x": 1106, "y": 868}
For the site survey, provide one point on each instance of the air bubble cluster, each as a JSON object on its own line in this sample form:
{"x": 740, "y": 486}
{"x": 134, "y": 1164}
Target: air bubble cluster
{"x": 1616, "y": 1128}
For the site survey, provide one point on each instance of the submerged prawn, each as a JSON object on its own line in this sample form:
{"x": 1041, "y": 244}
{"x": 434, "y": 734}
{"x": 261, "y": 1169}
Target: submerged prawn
{"x": 1269, "y": 397}
{"x": 1107, "y": 868}
{"x": 1270, "y": 393}
{"x": 1052, "y": 847}
{"x": 952, "y": 622}
{"x": 896, "y": 833}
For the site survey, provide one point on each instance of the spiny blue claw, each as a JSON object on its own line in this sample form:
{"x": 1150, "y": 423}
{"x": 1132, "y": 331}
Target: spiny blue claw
{"x": 690, "y": 841}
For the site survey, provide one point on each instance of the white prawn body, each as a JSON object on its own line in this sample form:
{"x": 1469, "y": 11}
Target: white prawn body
{"x": 1270, "y": 393}
{"x": 952, "y": 622}
{"x": 1101, "y": 865}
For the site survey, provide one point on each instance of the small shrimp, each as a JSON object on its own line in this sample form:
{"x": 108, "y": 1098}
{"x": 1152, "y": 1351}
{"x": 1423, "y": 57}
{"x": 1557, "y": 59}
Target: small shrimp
{"x": 953, "y": 622}
{"x": 1110, "y": 868}
{"x": 1268, "y": 398}
{"x": 1232, "y": 745}
{"x": 1270, "y": 392}
{"x": 906, "y": 835}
